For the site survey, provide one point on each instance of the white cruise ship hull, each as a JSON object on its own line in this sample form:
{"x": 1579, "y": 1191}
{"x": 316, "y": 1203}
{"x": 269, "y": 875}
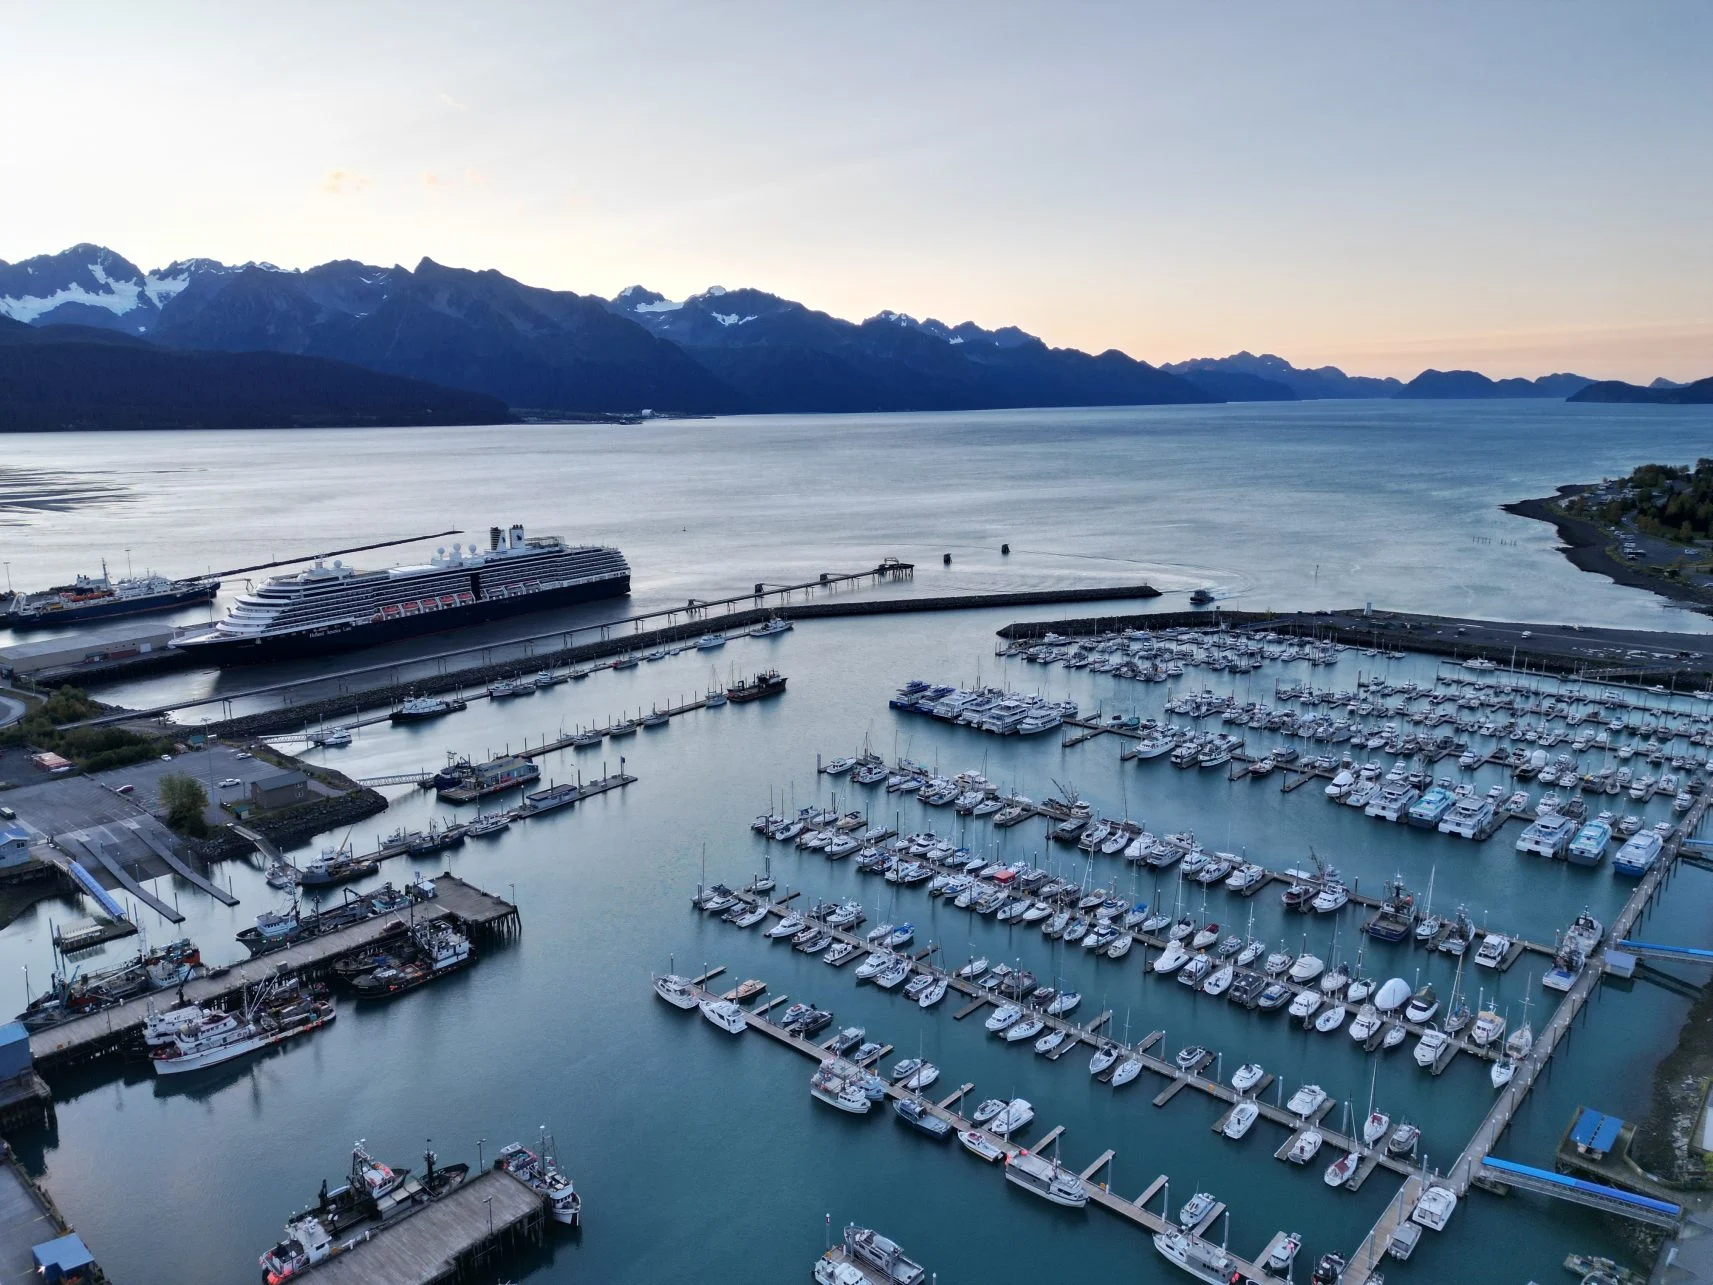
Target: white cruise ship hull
{"x": 222, "y": 649}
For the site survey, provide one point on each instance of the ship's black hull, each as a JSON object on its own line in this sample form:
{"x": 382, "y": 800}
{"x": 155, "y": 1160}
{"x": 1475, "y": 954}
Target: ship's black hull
{"x": 296, "y": 646}
{"x": 108, "y": 610}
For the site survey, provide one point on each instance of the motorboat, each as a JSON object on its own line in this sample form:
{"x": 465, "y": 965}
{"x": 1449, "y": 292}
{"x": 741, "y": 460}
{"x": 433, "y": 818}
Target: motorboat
{"x": 1422, "y": 1006}
{"x": 1306, "y": 968}
{"x": 1247, "y": 1077}
{"x": 1172, "y": 958}
{"x": 1494, "y": 948}
{"x": 1195, "y": 970}
{"x": 1306, "y": 1100}
{"x": 840, "y": 1087}
{"x": 1489, "y": 1028}
{"x": 1272, "y": 996}
{"x": 676, "y": 991}
{"x": 1285, "y": 1250}
{"x": 724, "y": 1014}
{"x": 1200, "y": 1258}
{"x": 1195, "y": 1209}
{"x": 1434, "y": 1207}
{"x": 1330, "y": 1269}
{"x": 1241, "y": 1119}
{"x": 1306, "y": 1147}
{"x": 980, "y": 1145}
{"x": 1366, "y": 1023}
{"x": 1191, "y": 1056}
{"x": 1431, "y": 1047}
{"x": 987, "y": 1109}
{"x": 1017, "y": 1114}
{"x": 1046, "y": 1178}
{"x": 1003, "y": 1017}
{"x": 1403, "y": 1140}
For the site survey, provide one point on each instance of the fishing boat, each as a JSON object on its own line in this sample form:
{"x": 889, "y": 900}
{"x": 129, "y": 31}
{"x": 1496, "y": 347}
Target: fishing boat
{"x": 980, "y": 1145}
{"x": 915, "y": 1113}
{"x": 1201, "y": 1259}
{"x": 539, "y": 1171}
{"x": 268, "y": 1016}
{"x": 870, "y": 1247}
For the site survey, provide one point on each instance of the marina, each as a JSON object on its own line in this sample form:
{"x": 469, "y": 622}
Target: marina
{"x": 1115, "y": 1142}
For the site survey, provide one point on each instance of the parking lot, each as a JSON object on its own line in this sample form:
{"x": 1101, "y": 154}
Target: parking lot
{"x": 210, "y": 766}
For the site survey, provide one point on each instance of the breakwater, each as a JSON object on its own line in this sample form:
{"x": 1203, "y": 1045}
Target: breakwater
{"x": 299, "y": 713}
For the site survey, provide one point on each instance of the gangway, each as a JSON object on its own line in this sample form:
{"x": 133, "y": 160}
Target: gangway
{"x": 1655, "y": 950}
{"x": 87, "y": 882}
{"x": 400, "y": 778}
{"x": 1579, "y": 1191}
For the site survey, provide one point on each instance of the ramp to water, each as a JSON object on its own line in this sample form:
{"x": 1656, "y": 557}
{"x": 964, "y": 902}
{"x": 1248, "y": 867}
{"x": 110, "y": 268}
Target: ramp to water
{"x": 162, "y": 847}
{"x": 82, "y": 844}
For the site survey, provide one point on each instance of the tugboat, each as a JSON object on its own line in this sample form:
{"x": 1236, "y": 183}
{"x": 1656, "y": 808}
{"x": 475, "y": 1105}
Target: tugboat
{"x": 540, "y": 1173}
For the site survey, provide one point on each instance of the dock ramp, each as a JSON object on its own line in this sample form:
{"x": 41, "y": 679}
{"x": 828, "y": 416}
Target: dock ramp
{"x": 1579, "y": 1191}
{"x": 86, "y": 881}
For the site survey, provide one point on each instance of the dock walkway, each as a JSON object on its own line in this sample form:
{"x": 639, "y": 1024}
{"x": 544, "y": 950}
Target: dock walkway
{"x": 101, "y": 1034}
{"x": 443, "y": 1241}
{"x": 87, "y": 847}
{"x": 163, "y": 849}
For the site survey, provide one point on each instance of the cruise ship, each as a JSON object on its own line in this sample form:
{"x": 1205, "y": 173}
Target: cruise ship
{"x": 335, "y": 608}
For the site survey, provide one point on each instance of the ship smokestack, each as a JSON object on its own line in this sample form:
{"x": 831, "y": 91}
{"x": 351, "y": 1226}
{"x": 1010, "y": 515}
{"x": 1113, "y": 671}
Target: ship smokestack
{"x": 493, "y": 537}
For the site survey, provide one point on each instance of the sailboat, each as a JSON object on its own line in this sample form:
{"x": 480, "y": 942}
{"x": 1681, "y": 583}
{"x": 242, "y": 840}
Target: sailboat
{"x": 1428, "y": 926}
{"x": 1522, "y": 1040}
{"x": 1378, "y": 1122}
{"x": 1457, "y": 1015}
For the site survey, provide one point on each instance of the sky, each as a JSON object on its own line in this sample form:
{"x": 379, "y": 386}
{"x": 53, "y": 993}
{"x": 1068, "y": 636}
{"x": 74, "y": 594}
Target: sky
{"x": 1514, "y": 187}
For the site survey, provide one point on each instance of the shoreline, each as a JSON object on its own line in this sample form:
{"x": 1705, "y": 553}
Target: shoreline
{"x": 1586, "y": 545}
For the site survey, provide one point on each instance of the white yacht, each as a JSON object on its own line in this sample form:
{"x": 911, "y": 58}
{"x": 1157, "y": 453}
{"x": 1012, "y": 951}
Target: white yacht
{"x": 1547, "y": 837}
{"x": 1241, "y": 1119}
{"x": 1306, "y": 1100}
{"x": 1434, "y": 1208}
{"x": 1494, "y": 948}
{"x": 1638, "y": 854}
{"x": 1015, "y": 1115}
{"x": 1469, "y": 818}
{"x": 676, "y": 991}
{"x": 724, "y": 1014}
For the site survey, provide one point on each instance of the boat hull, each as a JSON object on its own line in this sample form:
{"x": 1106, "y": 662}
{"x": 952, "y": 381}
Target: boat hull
{"x": 107, "y": 610}
{"x": 249, "y": 651}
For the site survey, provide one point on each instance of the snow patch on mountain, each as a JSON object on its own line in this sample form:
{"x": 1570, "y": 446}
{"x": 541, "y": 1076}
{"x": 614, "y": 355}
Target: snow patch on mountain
{"x": 730, "y": 318}
{"x": 119, "y": 298}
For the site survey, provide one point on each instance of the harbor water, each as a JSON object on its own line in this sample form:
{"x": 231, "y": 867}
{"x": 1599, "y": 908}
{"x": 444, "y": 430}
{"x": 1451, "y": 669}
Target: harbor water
{"x": 701, "y": 1156}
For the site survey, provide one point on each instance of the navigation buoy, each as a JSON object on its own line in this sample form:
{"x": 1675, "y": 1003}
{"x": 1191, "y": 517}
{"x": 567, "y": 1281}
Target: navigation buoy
{"x": 946, "y": 558}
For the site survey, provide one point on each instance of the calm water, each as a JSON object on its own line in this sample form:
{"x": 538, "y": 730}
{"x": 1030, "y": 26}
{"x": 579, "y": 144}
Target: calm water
{"x": 702, "y": 1157}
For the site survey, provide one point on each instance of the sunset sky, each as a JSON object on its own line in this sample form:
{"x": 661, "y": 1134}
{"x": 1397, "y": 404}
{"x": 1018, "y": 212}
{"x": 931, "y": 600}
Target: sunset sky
{"x": 1514, "y": 187}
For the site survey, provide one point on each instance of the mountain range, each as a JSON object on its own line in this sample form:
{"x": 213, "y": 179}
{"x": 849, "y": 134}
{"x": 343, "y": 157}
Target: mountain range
{"x": 543, "y": 351}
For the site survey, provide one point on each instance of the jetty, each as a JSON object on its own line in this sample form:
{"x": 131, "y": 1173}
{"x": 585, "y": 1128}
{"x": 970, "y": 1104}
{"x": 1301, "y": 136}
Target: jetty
{"x": 455, "y": 1238}
{"x": 114, "y": 1030}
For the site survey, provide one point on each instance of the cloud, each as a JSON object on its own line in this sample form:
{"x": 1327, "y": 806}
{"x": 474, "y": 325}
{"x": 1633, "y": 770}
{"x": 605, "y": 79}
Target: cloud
{"x": 452, "y": 102}
{"x": 343, "y": 183}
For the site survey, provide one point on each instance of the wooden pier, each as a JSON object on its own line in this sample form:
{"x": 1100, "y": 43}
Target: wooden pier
{"x": 1135, "y": 1212}
{"x": 458, "y": 1238}
{"x": 113, "y": 1030}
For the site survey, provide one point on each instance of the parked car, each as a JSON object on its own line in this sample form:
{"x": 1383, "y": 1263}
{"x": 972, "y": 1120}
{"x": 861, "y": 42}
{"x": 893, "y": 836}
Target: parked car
{"x": 230, "y": 783}
{"x": 126, "y": 788}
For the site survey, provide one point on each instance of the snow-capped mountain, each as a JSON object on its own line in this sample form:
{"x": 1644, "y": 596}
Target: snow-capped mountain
{"x": 717, "y": 351}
